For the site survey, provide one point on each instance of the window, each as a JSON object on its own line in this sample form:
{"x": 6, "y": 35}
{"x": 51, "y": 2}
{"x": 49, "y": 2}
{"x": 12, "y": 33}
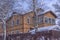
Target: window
{"x": 28, "y": 20}
{"x": 12, "y": 23}
{"x": 40, "y": 20}
{"x": 34, "y": 20}
{"x": 53, "y": 21}
{"x": 17, "y": 22}
{"x": 17, "y": 31}
{"x": 31, "y": 28}
{"x": 49, "y": 20}
{"x": 46, "y": 20}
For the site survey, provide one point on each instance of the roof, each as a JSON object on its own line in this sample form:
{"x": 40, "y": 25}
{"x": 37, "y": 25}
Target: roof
{"x": 13, "y": 13}
{"x": 46, "y": 11}
{"x": 43, "y": 12}
{"x": 55, "y": 27}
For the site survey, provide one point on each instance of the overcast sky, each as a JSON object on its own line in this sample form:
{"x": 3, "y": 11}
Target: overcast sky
{"x": 26, "y": 5}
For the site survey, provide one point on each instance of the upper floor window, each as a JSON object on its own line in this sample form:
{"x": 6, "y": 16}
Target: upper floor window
{"x": 49, "y": 20}
{"x": 53, "y": 21}
{"x": 28, "y": 20}
{"x": 12, "y": 23}
{"x": 46, "y": 20}
{"x": 17, "y": 22}
{"x": 34, "y": 20}
{"x": 40, "y": 19}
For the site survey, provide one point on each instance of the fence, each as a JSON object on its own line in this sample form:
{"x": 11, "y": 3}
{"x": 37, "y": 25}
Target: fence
{"x": 47, "y": 35}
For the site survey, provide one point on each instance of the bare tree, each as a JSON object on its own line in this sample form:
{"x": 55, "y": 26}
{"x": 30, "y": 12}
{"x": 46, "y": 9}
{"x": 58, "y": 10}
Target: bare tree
{"x": 57, "y": 10}
{"x": 5, "y": 6}
{"x": 35, "y": 4}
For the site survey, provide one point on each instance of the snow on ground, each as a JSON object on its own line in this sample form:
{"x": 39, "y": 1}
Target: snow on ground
{"x": 47, "y": 28}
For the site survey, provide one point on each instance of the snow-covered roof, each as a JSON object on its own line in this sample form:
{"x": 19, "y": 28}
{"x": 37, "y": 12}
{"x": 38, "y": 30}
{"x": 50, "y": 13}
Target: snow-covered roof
{"x": 11, "y": 13}
{"x": 41, "y": 29}
{"x": 45, "y": 11}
